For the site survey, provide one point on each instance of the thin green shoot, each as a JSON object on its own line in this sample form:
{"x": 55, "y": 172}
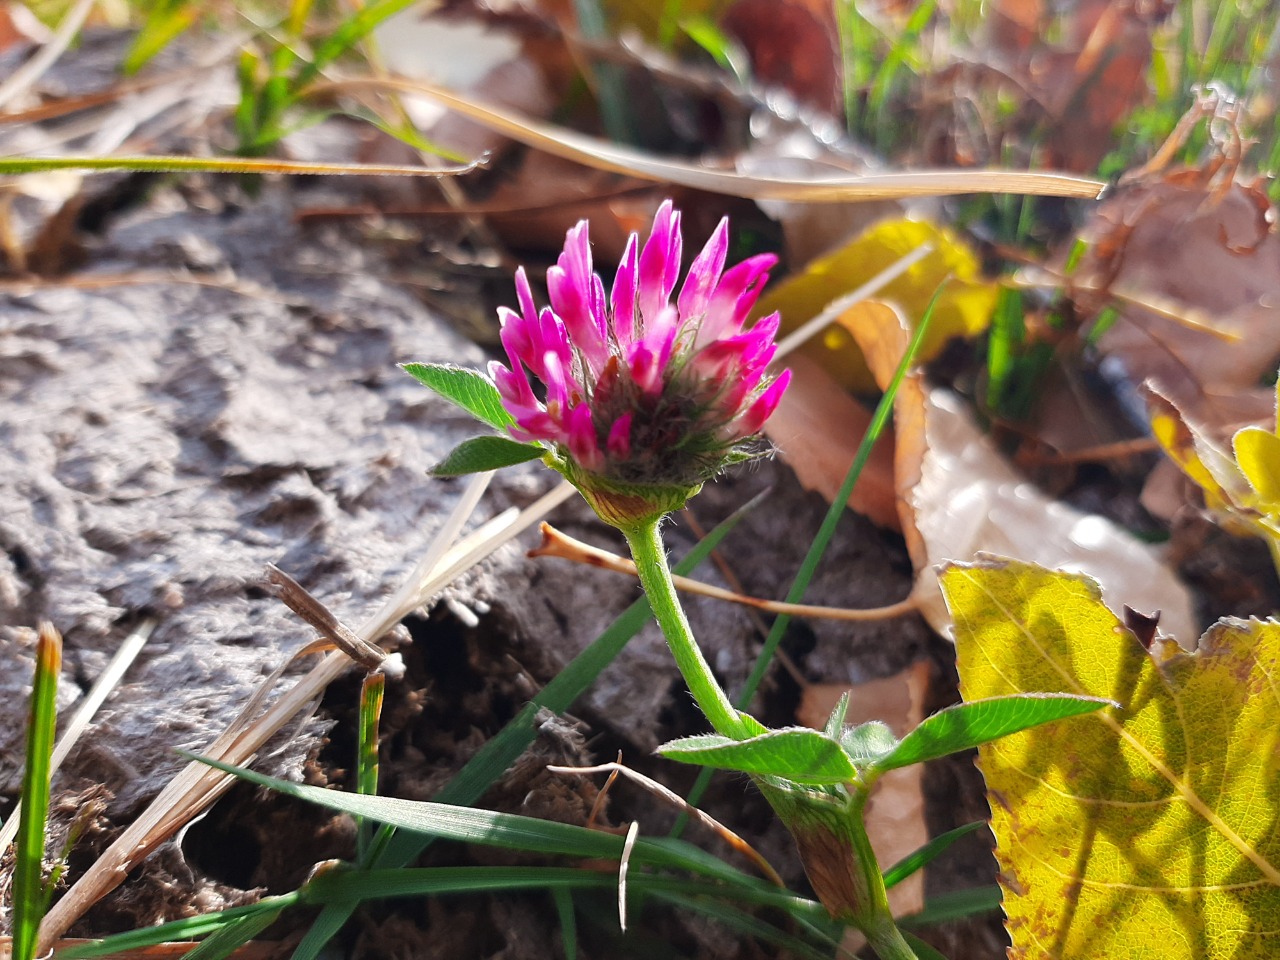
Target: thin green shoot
{"x": 30, "y": 892}
{"x": 166, "y": 20}
{"x": 722, "y": 48}
{"x": 608, "y": 81}
{"x": 903, "y": 54}
{"x": 370, "y": 711}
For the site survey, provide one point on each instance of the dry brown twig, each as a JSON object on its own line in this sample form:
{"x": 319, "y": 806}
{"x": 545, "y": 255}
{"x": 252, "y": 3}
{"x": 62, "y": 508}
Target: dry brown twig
{"x": 561, "y": 545}
{"x": 729, "y": 837}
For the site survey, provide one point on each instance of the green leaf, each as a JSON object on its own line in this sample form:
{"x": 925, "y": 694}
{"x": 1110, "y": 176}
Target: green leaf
{"x": 1145, "y": 832}
{"x": 835, "y": 722}
{"x": 868, "y": 742}
{"x": 486, "y": 453}
{"x": 469, "y": 389}
{"x": 797, "y": 754}
{"x": 970, "y": 724}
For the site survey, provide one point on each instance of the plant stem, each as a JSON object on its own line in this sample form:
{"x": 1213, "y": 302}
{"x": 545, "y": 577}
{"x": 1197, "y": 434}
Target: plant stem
{"x": 878, "y": 925}
{"x": 647, "y": 550}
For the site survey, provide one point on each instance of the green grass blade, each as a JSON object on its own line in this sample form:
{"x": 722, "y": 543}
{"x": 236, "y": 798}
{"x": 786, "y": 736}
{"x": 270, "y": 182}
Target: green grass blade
{"x": 14, "y": 166}
{"x": 507, "y": 830}
{"x": 928, "y": 853}
{"x": 186, "y": 929}
{"x": 230, "y": 937}
{"x": 354, "y": 29}
{"x": 165, "y": 23}
{"x": 922, "y": 950}
{"x": 563, "y": 899}
{"x": 29, "y": 897}
{"x": 954, "y": 906}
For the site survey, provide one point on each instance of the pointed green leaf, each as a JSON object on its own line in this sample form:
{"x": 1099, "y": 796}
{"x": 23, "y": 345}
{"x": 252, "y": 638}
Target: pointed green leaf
{"x": 835, "y": 722}
{"x": 868, "y": 742}
{"x": 1150, "y": 831}
{"x": 486, "y": 453}
{"x": 796, "y": 753}
{"x": 469, "y": 389}
{"x": 967, "y": 725}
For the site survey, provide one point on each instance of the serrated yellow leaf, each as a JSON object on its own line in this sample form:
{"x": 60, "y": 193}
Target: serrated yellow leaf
{"x": 963, "y": 310}
{"x": 1133, "y": 834}
{"x": 1258, "y": 456}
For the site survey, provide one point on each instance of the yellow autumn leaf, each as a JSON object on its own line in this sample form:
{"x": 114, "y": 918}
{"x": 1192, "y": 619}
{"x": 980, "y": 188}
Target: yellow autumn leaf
{"x": 1258, "y": 456}
{"x": 1226, "y": 490}
{"x": 1148, "y": 831}
{"x": 963, "y": 310}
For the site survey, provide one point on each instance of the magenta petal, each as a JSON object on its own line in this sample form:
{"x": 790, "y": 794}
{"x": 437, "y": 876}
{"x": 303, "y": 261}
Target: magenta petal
{"x": 763, "y": 407}
{"x": 734, "y": 296}
{"x": 525, "y": 296}
{"x": 624, "y": 294}
{"x": 659, "y": 263}
{"x": 516, "y": 337}
{"x": 513, "y": 387}
{"x": 556, "y": 378}
{"x": 704, "y": 274}
{"x": 577, "y": 296}
{"x": 642, "y": 363}
{"x": 581, "y": 437}
{"x": 619, "y": 444}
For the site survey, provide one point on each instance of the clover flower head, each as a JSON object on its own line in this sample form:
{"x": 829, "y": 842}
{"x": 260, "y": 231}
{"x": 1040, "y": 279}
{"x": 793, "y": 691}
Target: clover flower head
{"x": 642, "y": 388}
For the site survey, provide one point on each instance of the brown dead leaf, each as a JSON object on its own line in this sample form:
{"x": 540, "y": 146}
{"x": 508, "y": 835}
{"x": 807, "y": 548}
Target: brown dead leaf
{"x": 791, "y": 44}
{"x": 817, "y": 429}
{"x": 1212, "y": 250}
{"x": 895, "y": 814}
{"x": 959, "y": 497}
